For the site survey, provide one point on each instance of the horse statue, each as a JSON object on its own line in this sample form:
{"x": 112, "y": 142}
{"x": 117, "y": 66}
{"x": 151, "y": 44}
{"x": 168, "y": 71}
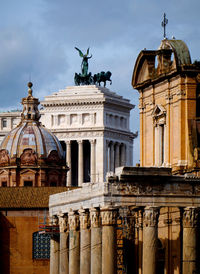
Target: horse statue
{"x": 102, "y": 77}
{"x": 79, "y": 79}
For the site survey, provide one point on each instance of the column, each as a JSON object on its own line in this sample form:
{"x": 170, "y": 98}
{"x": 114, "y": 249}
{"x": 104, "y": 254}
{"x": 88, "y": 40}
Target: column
{"x": 54, "y": 251}
{"x": 117, "y": 155}
{"x": 93, "y": 162}
{"x": 190, "y": 221}
{"x": 150, "y": 236}
{"x": 85, "y": 243}
{"x": 64, "y": 252}
{"x": 106, "y": 154}
{"x": 74, "y": 243}
{"x": 69, "y": 163}
{"x": 108, "y": 216}
{"x": 80, "y": 163}
{"x": 112, "y": 168}
{"x": 96, "y": 242}
{"x": 140, "y": 238}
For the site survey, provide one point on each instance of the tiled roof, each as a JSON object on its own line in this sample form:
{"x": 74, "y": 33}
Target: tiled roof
{"x": 27, "y": 197}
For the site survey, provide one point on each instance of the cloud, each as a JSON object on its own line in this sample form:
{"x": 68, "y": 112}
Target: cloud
{"x": 38, "y": 38}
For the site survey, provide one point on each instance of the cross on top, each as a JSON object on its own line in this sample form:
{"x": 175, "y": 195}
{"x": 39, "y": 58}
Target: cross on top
{"x": 163, "y": 24}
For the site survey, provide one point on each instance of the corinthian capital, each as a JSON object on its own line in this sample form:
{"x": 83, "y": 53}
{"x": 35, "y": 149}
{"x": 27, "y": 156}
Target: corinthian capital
{"x": 73, "y": 219}
{"x": 95, "y": 217}
{"x": 108, "y": 216}
{"x": 62, "y": 220}
{"x": 84, "y": 219}
{"x": 150, "y": 216}
{"x": 190, "y": 216}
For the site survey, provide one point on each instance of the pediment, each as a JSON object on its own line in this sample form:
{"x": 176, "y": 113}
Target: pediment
{"x": 158, "y": 111}
{"x": 4, "y": 172}
{"x": 28, "y": 171}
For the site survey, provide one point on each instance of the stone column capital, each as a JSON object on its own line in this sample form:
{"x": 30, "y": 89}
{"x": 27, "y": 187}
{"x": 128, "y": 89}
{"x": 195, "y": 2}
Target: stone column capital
{"x": 54, "y": 220}
{"x": 63, "y": 222}
{"x": 108, "y": 216}
{"x": 84, "y": 219}
{"x": 92, "y": 141}
{"x": 95, "y": 217}
{"x": 150, "y": 216}
{"x": 68, "y": 142}
{"x": 190, "y": 216}
{"x": 80, "y": 142}
{"x": 73, "y": 219}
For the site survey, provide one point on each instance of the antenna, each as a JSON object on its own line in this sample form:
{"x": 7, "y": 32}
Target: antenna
{"x": 163, "y": 24}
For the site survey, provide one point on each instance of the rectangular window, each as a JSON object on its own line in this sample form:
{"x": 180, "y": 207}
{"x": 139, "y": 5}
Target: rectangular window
{"x": 28, "y": 183}
{"x": 4, "y": 184}
{"x": 4, "y": 123}
{"x": 41, "y": 246}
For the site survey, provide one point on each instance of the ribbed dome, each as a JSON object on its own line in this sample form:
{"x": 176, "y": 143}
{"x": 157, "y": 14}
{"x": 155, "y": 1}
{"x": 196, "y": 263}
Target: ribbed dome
{"x": 30, "y": 142}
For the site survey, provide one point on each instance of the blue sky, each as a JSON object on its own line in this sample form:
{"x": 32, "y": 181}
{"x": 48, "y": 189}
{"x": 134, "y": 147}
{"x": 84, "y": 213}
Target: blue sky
{"x": 37, "y": 40}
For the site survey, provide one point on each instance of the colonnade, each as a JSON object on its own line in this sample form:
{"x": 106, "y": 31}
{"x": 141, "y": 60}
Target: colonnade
{"x": 81, "y": 161}
{"x": 88, "y": 241}
{"x": 116, "y": 155}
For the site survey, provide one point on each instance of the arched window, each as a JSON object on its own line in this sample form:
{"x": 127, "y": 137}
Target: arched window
{"x": 41, "y": 246}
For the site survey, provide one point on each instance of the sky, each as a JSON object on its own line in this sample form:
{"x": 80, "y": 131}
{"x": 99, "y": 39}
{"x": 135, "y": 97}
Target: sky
{"x": 37, "y": 40}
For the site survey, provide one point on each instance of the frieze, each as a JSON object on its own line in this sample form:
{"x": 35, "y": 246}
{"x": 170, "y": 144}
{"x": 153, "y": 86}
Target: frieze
{"x": 77, "y": 135}
{"x": 138, "y": 188}
{"x": 50, "y": 109}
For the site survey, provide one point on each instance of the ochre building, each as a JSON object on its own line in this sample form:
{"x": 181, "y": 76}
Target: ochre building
{"x": 168, "y": 84}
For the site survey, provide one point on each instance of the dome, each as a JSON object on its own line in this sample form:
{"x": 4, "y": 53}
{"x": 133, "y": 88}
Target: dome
{"x": 30, "y": 143}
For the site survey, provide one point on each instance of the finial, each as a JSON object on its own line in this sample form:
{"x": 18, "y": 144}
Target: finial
{"x": 163, "y": 24}
{"x": 30, "y": 90}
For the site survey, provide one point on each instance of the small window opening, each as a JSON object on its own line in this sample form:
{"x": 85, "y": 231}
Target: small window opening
{"x": 28, "y": 183}
{"x": 4, "y": 123}
{"x": 53, "y": 184}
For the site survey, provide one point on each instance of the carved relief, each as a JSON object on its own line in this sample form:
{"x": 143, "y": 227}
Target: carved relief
{"x": 95, "y": 217}
{"x": 190, "y": 216}
{"x": 4, "y": 157}
{"x": 108, "y": 216}
{"x": 73, "y": 219}
{"x": 28, "y": 157}
{"x": 84, "y": 219}
{"x": 150, "y": 216}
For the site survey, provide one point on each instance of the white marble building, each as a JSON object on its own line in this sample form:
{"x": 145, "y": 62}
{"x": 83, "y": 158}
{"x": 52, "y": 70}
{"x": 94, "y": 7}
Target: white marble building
{"x": 92, "y": 124}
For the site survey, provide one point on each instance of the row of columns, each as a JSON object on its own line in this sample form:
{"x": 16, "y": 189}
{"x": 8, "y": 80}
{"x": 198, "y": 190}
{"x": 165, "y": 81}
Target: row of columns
{"x": 116, "y": 155}
{"x": 81, "y": 162}
{"x": 91, "y": 247}
{"x": 92, "y": 242}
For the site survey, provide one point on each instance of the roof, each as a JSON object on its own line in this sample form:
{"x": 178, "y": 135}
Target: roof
{"x": 180, "y": 50}
{"x": 27, "y": 197}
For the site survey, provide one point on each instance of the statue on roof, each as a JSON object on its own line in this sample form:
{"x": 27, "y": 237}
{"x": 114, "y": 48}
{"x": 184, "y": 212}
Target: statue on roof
{"x": 85, "y": 78}
{"x": 84, "y": 64}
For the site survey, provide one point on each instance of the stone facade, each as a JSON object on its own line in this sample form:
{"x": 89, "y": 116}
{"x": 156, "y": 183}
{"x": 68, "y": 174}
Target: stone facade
{"x": 92, "y": 124}
{"x": 169, "y": 107}
{"x": 153, "y": 213}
